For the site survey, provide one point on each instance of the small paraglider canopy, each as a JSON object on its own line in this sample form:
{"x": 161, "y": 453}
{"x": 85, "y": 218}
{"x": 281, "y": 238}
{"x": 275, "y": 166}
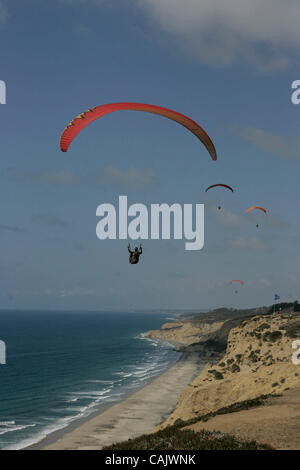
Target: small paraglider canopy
{"x": 258, "y": 208}
{"x": 85, "y": 118}
{"x": 222, "y": 185}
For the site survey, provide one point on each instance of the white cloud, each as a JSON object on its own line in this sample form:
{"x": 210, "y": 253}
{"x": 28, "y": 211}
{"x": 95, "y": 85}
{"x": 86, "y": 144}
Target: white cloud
{"x": 131, "y": 178}
{"x": 11, "y": 228}
{"x": 269, "y": 142}
{"x": 82, "y": 28}
{"x": 221, "y": 33}
{"x": 109, "y": 175}
{"x": 264, "y": 33}
{"x": 252, "y": 244}
{"x": 266, "y": 282}
{"x": 228, "y": 218}
{"x": 61, "y": 178}
{"x": 77, "y": 291}
{"x": 95, "y": 2}
{"x": 50, "y": 219}
{"x": 3, "y": 13}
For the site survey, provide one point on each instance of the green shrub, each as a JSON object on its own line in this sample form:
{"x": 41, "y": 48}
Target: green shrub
{"x": 272, "y": 336}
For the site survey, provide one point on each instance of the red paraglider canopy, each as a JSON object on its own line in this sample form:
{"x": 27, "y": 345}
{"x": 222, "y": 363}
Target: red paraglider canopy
{"x": 82, "y": 120}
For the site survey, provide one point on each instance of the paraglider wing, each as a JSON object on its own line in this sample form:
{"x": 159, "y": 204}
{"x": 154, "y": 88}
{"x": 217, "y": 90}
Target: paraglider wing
{"x": 82, "y": 120}
{"x": 223, "y": 185}
{"x": 236, "y": 280}
{"x": 256, "y": 207}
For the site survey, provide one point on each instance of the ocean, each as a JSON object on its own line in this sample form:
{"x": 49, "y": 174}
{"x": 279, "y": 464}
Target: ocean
{"x": 64, "y": 366}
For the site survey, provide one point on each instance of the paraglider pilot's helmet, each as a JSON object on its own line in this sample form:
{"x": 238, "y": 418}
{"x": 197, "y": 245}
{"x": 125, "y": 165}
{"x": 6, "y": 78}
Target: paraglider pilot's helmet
{"x": 136, "y": 249}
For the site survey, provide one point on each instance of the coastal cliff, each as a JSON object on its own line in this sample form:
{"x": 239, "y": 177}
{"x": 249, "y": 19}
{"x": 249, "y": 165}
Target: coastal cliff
{"x": 257, "y": 361}
{"x": 184, "y": 332}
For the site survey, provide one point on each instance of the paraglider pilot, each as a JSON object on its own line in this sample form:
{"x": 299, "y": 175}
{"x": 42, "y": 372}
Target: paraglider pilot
{"x": 134, "y": 255}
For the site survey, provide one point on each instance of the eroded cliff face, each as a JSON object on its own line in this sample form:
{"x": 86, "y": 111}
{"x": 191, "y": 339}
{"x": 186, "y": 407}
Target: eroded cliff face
{"x": 258, "y": 360}
{"x": 185, "y": 332}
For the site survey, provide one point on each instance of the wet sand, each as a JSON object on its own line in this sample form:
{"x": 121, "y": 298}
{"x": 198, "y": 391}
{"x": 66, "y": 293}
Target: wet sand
{"x": 137, "y": 414}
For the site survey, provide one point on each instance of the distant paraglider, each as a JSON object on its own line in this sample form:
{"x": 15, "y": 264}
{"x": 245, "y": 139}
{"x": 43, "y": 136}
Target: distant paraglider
{"x": 85, "y": 118}
{"x": 256, "y": 208}
{"x": 219, "y": 185}
{"x": 239, "y": 281}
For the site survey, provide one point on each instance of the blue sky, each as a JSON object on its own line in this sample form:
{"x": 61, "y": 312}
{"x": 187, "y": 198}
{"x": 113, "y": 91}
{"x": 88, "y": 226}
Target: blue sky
{"x": 229, "y": 66}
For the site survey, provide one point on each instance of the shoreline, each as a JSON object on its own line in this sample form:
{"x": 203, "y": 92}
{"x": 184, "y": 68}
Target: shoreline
{"x": 137, "y": 413}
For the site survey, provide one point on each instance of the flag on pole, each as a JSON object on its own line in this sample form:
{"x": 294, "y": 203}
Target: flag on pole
{"x": 276, "y": 297}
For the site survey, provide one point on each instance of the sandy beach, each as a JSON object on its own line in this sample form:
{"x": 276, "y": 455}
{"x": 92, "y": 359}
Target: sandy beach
{"x": 137, "y": 414}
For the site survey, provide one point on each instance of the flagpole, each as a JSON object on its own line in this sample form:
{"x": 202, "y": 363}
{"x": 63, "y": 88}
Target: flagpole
{"x": 276, "y": 298}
